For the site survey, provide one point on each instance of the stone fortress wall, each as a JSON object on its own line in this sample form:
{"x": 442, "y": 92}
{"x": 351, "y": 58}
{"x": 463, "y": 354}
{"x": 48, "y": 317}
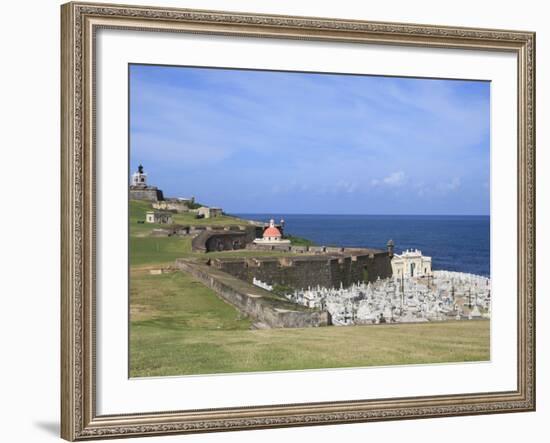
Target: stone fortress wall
{"x": 172, "y": 204}
{"x": 224, "y": 238}
{"x": 326, "y": 267}
{"x": 149, "y": 193}
{"x": 268, "y": 311}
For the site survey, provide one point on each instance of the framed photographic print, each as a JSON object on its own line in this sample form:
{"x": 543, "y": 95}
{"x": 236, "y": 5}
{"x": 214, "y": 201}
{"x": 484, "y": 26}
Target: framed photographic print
{"x": 283, "y": 221}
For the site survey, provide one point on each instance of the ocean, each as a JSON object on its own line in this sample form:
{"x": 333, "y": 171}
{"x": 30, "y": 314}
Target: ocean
{"x": 455, "y": 243}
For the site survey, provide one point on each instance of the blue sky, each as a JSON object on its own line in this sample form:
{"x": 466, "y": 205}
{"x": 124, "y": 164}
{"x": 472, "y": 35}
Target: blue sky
{"x": 280, "y": 142}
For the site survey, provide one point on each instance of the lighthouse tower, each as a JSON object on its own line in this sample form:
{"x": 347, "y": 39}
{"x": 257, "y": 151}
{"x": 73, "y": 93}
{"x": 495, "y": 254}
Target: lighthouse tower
{"x": 140, "y": 190}
{"x": 139, "y": 178}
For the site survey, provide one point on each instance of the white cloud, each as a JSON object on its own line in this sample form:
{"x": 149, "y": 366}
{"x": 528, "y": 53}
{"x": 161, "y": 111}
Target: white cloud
{"x": 394, "y": 179}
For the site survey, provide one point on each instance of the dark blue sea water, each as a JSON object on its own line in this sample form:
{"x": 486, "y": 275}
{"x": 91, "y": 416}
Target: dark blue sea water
{"x": 455, "y": 243}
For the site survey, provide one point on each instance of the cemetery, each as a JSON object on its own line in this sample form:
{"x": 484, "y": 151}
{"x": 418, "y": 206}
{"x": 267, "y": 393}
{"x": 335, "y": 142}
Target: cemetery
{"x": 444, "y": 295}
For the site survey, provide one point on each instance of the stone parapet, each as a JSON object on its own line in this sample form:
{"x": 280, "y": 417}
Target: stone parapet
{"x": 259, "y": 304}
{"x": 306, "y": 269}
{"x": 150, "y": 193}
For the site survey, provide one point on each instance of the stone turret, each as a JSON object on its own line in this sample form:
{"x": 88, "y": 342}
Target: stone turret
{"x": 390, "y": 245}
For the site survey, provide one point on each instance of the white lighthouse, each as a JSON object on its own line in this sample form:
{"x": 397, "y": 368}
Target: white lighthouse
{"x": 139, "y": 178}
{"x": 140, "y": 190}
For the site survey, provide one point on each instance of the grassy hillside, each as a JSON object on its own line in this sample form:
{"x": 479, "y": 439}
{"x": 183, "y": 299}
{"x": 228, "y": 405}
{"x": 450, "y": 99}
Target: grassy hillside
{"x": 158, "y": 250}
{"x": 138, "y": 209}
{"x": 178, "y": 327}
{"x": 147, "y": 250}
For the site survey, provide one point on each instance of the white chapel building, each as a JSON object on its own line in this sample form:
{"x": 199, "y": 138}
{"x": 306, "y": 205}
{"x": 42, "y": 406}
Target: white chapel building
{"x": 272, "y": 236}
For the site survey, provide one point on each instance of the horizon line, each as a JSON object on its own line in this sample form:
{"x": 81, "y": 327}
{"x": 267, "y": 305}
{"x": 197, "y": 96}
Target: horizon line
{"x": 399, "y": 215}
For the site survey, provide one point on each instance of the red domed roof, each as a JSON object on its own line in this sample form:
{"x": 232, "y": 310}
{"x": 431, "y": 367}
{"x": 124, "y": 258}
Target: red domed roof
{"x": 272, "y": 232}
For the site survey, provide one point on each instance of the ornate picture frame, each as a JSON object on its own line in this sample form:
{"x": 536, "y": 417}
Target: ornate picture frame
{"x": 80, "y": 22}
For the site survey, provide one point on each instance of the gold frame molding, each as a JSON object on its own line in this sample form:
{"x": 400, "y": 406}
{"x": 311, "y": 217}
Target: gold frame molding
{"x": 79, "y": 22}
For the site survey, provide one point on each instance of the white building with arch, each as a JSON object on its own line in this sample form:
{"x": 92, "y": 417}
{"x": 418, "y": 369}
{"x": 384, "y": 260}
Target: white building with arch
{"x": 411, "y": 263}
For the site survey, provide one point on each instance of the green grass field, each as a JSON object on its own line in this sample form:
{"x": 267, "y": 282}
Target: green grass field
{"x": 180, "y": 327}
{"x": 138, "y": 209}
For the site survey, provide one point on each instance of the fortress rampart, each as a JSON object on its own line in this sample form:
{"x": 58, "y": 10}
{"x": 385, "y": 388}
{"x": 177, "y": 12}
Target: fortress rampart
{"x": 270, "y": 310}
{"x": 172, "y": 205}
{"x": 226, "y": 238}
{"x": 149, "y": 193}
{"x": 326, "y": 267}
